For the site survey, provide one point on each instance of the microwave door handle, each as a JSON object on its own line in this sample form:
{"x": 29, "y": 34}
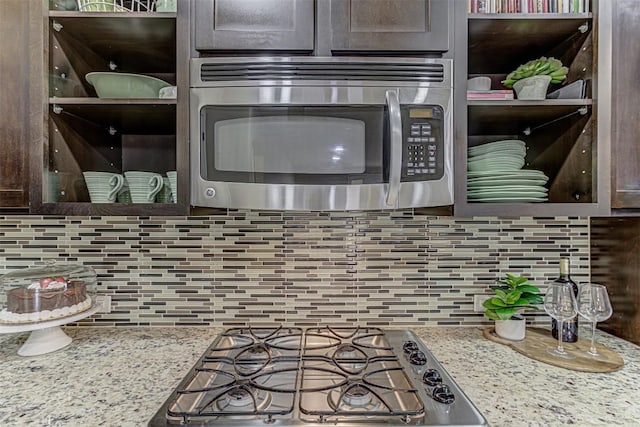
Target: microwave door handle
{"x": 395, "y": 158}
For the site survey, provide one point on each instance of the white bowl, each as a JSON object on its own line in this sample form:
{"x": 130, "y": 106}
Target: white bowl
{"x": 479, "y": 83}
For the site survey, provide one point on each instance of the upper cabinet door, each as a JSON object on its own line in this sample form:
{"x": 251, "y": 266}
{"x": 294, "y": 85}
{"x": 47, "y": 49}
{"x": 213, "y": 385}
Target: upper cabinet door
{"x": 390, "y": 25}
{"x": 20, "y": 74}
{"x": 625, "y": 162}
{"x": 254, "y": 25}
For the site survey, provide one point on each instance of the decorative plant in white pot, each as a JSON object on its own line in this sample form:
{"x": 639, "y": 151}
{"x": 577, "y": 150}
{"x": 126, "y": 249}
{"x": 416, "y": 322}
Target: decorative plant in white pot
{"x": 514, "y": 295}
{"x": 531, "y": 80}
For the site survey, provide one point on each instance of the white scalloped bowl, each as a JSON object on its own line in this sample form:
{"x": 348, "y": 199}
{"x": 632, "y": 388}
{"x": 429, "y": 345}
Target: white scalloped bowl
{"x": 124, "y": 85}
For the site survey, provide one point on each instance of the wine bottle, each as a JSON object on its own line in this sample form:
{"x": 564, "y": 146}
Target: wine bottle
{"x": 569, "y": 327}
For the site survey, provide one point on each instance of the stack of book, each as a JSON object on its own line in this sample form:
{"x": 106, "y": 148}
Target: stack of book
{"x": 528, "y": 6}
{"x": 490, "y": 94}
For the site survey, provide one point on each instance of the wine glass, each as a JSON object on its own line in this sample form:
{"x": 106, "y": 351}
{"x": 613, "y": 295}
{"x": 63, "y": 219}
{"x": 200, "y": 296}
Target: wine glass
{"x": 594, "y": 305}
{"x": 560, "y": 303}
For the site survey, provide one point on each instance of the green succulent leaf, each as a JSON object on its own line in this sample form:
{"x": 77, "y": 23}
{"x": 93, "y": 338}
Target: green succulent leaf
{"x": 489, "y": 305}
{"x": 531, "y": 298}
{"x": 495, "y": 302}
{"x": 491, "y": 314}
{"x": 513, "y": 296}
{"x": 502, "y": 295}
{"x": 541, "y": 66}
{"x": 505, "y": 313}
{"x": 528, "y": 288}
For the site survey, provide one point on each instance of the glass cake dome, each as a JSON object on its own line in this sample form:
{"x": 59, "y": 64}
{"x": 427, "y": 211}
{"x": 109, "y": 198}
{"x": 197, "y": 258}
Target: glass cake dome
{"x": 46, "y": 292}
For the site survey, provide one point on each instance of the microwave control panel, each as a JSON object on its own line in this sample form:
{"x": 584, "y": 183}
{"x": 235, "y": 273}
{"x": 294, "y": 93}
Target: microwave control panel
{"x": 423, "y": 144}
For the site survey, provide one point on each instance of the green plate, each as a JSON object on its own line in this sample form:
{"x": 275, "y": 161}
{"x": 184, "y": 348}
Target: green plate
{"x": 507, "y": 189}
{"x": 123, "y": 85}
{"x": 501, "y": 181}
{"x": 522, "y": 173}
{"x": 505, "y": 165}
{"x": 505, "y": 194}
{"x": 508, "y": 144}
{"x": 498, "y": 155}
{"x": 510, "y": 200}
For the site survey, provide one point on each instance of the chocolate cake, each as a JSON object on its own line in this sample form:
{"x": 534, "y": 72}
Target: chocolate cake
{"x": 23, "y": 300}
{"x": 41, "y": 303}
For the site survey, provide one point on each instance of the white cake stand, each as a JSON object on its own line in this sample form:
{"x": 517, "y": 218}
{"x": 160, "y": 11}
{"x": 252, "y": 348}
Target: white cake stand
{"x": 47, "y": 336}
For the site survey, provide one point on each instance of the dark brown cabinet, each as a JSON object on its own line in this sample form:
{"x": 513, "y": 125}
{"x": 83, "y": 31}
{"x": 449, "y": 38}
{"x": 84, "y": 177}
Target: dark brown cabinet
{"x": 615, "y": 263}
{"x": 84, "y": 132}
{"x": 20, "y": 98}
{"x": 567, "y": 139}
{"x": 254, "y": 25}
{"x": 626, "y": 108}
{"x": 390, "y": 26}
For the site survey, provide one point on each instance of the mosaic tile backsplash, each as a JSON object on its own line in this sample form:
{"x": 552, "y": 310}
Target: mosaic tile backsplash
{"x": 398, "y": 268}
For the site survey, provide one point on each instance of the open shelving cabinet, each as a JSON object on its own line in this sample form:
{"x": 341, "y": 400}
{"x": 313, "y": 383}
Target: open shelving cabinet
{"x": 83, "y": 132}
{"x": 567, "y": 139}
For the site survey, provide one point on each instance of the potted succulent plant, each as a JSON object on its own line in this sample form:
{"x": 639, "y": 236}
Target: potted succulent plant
{"x": 531, "y": 80}
{"x": 514, "y": 294}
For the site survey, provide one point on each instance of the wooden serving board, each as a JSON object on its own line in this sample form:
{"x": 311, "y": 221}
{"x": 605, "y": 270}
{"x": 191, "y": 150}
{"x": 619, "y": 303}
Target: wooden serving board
{"x": 538, "y": 340}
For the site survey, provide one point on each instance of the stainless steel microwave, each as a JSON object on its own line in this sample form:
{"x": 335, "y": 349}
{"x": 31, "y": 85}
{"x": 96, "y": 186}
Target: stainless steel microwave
{"x": 299, "y": 133}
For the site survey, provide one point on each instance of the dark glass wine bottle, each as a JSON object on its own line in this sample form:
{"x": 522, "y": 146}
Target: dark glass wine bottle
{"x": 569, "y": 327}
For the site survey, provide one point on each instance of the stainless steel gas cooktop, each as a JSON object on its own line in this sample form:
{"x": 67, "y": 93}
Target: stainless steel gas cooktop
{"x": 340, "y": 376}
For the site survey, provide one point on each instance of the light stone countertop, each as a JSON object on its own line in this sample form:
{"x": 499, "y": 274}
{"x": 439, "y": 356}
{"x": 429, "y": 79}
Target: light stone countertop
{"x": 121, "y": 376}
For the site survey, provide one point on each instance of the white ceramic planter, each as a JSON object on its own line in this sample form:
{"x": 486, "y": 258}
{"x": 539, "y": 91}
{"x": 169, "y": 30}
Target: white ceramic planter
{"x": 513, "y": 329}
{"x": 532, "y": 88}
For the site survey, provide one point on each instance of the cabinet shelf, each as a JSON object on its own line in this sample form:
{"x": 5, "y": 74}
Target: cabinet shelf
{"x": 518, "y": 103}
{"x": 133, "y": 41}
{"x": 111, "y": 15}
{"x": 531, "y": 209}
{"x": 112, "y": 101}
{"x": 562, "y": 136}
{"x": 513, "y": 117}
{"x": 132, "y": 118}
{"x": 518, "y": 16}
{"x": 86, "y": 208}
{"x": 490, "y": 36}
{"x": 87, "y": 133}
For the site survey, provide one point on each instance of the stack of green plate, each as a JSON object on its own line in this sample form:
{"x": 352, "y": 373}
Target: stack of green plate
{"x": 495, "y": 174}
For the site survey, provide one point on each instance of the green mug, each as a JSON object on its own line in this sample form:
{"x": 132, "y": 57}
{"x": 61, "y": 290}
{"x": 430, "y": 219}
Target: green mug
{"x": 166, "y": 5}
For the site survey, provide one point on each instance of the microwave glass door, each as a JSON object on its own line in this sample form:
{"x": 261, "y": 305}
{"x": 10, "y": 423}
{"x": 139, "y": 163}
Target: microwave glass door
{"x": 294, "y": 145}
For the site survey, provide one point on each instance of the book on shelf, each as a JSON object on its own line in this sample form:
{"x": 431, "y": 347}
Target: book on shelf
{"x": 490, "y": 94}
{"x": 528, "y": 6}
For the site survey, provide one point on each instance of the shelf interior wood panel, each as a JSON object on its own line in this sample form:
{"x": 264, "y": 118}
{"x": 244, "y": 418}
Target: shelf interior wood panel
{"x": 135, "y": 119}
{"x": 495, "y": 45}
{"x": 132, "y": 42}
{"x": 515, "y": 117}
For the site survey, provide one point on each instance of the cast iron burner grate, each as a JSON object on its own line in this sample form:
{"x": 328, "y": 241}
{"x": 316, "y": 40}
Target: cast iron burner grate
{"x": 248, "y": 372}
{"x": 354, "y": 374}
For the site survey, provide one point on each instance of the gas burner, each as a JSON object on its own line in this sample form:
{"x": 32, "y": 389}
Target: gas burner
{"x": 244, "y": 399}
{"x": 239, "y": 397}
{"x": 354, "y": 397}
{"x": 347, "y": 351}
{"x": 253, "y": 359}
{"x": 257, "y": 352}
